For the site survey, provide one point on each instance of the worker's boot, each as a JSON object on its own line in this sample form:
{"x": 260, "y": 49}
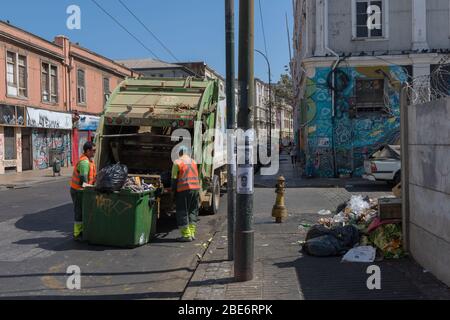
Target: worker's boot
{"x": 193, "y": 229}
{"x": 78, "y": 231}
{"x": 185, "y": 235}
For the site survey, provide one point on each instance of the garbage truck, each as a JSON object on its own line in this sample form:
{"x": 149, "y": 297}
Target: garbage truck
{"x": 140, "y": 128}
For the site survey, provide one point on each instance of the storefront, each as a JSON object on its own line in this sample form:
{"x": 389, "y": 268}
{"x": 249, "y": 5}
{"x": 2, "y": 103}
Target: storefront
{"x": 50, "y": 137}
{"x": 11, "y": 126}
{"x": 84, "y": 131}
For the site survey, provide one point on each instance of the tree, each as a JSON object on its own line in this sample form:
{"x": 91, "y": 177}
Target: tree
{"x": 284, "y": 90}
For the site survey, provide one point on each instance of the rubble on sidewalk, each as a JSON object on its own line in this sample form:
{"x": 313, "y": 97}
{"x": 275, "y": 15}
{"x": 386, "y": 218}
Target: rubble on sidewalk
{"x": 362, "y": 214}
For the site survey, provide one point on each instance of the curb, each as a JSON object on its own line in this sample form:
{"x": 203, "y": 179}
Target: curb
{"x": 20, "y": 185}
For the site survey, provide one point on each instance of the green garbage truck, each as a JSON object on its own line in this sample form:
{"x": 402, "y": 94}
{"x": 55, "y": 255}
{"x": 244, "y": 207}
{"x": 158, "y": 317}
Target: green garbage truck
{"x": 145, "y": 119}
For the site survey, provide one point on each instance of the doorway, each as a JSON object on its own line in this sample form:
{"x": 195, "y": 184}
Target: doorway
{"x": 27, "y": 163}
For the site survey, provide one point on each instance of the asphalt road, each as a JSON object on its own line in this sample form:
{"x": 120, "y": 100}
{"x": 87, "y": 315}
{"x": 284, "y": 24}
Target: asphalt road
{"x": 36, "y": 249}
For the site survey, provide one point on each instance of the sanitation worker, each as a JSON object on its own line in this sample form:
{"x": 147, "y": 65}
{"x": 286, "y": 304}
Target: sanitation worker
{"x": 186, "y": 190}
{"x": 84, "y": 172}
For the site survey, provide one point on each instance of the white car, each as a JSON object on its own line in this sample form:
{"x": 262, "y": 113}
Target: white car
{"x": 384, "y": 165}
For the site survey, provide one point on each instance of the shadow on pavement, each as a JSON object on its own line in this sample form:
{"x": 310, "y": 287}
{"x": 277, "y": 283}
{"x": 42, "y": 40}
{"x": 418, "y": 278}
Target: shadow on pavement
{"x": 375, "y": 187}
{"x": 329, "y": 279}
{"x": 60, "y": 219}
{"x": 56, "y": 219}
{"x": 96, "y": 274}
{"x": 133, "y": 296}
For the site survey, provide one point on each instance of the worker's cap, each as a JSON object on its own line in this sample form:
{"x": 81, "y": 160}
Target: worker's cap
{"x": 183, "y": 150}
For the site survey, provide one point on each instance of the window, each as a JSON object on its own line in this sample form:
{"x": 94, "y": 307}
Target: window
{"x": 12, "y": 115}
{"x": 81, "y": 87}
{"x": 369, "y": 95}
{"x": 10, "y": 143}
{"x": 49, "y": 83}
{"x": 361, "y": 29}
{"x": 106, "y": 90}
{"x": 16, "y": 75}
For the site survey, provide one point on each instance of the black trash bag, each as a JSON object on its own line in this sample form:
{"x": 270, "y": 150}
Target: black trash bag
{"x": 316, "y": 231}
{"x": 323, "y": 246}
{"x": 324, "y": 242}
{"x": 111, "y": 178}
{"x": 348, "y": 236}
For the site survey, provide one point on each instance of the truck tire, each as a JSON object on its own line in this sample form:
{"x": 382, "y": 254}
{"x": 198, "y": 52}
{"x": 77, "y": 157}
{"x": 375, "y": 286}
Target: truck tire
{"x": 397, "y": 178}
{"x": 215, "y": 203}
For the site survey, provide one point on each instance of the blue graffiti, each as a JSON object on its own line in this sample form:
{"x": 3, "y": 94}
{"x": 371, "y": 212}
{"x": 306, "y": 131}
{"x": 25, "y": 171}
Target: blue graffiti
{"x": 354, "y": 137}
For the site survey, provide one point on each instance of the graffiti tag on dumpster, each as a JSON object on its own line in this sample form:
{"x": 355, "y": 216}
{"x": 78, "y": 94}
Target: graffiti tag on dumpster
{"x": 109, "y": 206}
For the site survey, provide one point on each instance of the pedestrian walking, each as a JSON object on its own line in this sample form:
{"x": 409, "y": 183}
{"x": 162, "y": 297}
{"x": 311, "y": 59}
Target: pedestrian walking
{"x": 84, "y": 172}
{"x": 294, "y": 155}
{"x": 186, "y": 190}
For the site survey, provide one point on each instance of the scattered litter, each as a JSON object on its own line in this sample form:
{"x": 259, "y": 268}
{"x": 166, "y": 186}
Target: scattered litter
{"x": 304, "y": 225}
{"x": 365, "y": 254}
{"x": 425, "y": 271}
{"x": 264, "y": 245}
{"x": 324, "y": 212}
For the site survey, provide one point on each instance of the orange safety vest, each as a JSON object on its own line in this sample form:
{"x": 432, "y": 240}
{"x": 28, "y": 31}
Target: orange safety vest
{"x": 187, "y": 175}
{"x": 76, "y": 181}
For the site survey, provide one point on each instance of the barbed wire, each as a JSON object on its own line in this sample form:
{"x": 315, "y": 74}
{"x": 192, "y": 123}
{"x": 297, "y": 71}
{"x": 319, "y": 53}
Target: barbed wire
{"x": 431, "y": 87}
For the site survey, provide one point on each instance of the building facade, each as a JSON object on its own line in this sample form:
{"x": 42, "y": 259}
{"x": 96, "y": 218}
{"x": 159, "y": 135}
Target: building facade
{"x": 351, "y": 59}
{"x": 46, "y": 88}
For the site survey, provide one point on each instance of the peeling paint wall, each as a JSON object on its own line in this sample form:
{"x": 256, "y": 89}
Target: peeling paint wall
{"x": 344, "y": 141}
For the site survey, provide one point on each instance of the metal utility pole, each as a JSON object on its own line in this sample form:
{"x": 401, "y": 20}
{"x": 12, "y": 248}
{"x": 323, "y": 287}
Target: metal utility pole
{"x": 231, "y": 122}
{"x": 269, "y": 153}
{"x": 244, "y": 238}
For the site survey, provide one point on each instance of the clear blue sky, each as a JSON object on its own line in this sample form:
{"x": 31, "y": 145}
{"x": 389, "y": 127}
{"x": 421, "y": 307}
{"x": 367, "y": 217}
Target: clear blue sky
{"x": 192, "y": 29}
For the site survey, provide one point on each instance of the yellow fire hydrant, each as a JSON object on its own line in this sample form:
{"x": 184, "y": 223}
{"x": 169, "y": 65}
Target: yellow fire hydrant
{"x": 279, "y": 211}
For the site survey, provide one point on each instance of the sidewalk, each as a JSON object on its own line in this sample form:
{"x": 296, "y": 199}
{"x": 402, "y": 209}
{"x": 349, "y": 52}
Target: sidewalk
{"x": 283, "y": 272}
{"x": 294, "y": 178}
{"x": 28, "y": 178}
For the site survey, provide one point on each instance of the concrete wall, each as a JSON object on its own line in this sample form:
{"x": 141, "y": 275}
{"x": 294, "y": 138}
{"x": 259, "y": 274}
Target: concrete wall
{"x": 429, "y": 158}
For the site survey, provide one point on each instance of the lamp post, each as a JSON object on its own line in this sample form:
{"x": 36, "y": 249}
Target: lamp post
{"x": 270, "y": 103}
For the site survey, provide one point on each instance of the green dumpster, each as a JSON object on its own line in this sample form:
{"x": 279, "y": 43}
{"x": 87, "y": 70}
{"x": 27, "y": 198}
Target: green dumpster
{"x": 120, "y": 219}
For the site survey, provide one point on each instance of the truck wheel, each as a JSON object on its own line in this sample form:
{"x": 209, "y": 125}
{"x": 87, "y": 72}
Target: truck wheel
{"x": 397, "y": 178}
{"x": 214, "y": 208}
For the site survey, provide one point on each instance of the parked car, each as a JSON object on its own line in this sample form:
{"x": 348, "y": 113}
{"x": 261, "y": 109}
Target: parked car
{"x": 384, "y": 165}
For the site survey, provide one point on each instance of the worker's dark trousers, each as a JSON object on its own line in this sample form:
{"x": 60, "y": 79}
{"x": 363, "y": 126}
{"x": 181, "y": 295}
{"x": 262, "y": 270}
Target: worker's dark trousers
{"x": 187, "y": 207}
{"x": 77, "y": 204}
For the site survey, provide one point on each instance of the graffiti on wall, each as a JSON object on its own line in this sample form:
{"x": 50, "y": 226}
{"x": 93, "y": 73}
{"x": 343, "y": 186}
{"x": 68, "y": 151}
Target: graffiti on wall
{"x": 47, "y": 143}
{"x": 341, "y": 142}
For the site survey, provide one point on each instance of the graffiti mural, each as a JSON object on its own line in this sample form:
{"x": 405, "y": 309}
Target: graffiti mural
{"x": 47, "y": 143}
{"x": 341, "y": 142}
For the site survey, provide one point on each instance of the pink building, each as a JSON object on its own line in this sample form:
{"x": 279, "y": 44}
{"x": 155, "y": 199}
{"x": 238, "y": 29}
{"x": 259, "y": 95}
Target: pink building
{"x": 51, "y": 94}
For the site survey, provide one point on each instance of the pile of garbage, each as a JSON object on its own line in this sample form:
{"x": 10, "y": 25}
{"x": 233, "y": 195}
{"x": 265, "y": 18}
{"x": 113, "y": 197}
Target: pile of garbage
{"x": 356, "y": 231}
{"x": 136, "y": 185}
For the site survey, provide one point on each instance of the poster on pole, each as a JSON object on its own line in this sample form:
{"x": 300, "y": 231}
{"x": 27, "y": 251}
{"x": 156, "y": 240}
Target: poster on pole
{"x": 245, "y": 179}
